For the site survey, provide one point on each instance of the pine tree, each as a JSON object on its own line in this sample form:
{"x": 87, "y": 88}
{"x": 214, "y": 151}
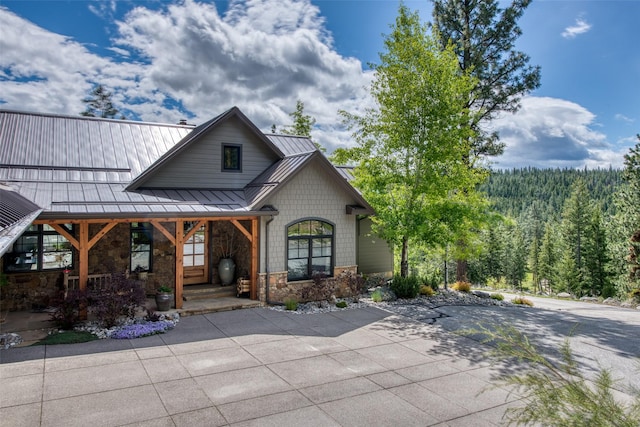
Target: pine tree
{"x": 302, "y": 124}
{"x": 99, "y": 104}
{"x": 597, "y": 258}
{"x": 548, "y": 265}
{"x": 576, "y": 217}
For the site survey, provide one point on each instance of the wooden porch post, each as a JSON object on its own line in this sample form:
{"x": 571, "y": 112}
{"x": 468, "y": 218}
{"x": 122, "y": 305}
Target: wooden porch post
{"x": 179, "y": 261}
{"x": 83, "y": 261}
{"x": 254, "y": 259}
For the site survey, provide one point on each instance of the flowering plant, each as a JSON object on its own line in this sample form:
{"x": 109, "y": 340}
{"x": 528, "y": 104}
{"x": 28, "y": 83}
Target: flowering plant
{"x": 138, "y": 330}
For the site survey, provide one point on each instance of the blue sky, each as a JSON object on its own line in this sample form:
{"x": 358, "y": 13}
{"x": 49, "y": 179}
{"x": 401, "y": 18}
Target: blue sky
{"x": 165, "y": 61}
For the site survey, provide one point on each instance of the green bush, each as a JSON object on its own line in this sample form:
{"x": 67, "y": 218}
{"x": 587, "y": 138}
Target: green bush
{"x": 405, "y": 287}
{"x": 635, "y": 295}
{"x": 376, "y": 296}
{"x": 341, "y": 304}
{"x": 291, "y": 304}
{"x": 497, "y": 296}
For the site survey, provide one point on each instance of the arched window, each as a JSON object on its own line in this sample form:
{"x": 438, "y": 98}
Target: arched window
{"x": 309, "y": 249}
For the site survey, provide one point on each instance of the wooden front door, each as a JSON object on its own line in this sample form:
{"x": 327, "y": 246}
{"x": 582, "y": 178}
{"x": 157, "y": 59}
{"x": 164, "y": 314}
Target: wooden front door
{"x": 196, "y": 257}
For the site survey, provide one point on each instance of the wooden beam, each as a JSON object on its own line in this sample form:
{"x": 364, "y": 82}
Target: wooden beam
{"x": 83, "y": 261}
{"x": 242, "y": 229}
{"x": 100, "y": 234}
{"x": 194, "y": 229}
{"x": 64, "y": 233}
{"x": 254, "y": 259}
{"x": 107, "y": 219}
{"x": 164, "y": 231}
{"x": 179, "y": 262}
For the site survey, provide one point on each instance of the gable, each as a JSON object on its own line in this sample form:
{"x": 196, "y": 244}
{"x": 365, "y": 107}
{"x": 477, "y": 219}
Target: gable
{"x": 200, "y": 164}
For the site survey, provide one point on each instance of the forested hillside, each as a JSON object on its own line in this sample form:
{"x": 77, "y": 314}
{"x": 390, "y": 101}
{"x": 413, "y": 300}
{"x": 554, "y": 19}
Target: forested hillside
{"x": 514, "y": 191}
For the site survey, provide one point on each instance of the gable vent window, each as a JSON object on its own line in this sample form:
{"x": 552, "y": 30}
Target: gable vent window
{"x": 232, "y": 158}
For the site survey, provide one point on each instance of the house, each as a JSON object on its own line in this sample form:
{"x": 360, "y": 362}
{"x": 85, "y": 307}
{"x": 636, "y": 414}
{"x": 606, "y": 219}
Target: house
{"x": 85, "y": 197}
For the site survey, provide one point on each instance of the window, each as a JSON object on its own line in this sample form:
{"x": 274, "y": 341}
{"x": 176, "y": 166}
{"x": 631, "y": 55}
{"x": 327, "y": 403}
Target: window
{"x": 141, "y": 246}
{"x": 232, "y": 158}
{"x": 309, "y": 249}
{"x": 40, "y": 248}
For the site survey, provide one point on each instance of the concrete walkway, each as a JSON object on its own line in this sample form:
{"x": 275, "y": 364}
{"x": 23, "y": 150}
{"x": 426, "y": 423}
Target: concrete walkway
{"x": 259, "y": 367}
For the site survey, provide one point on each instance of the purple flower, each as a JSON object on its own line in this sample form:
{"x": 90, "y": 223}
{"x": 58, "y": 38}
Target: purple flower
{"x": 138, "y": 330}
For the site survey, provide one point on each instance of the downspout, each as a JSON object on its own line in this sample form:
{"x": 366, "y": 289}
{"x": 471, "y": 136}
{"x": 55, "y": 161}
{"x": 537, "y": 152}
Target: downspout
{"x": 266, "y": 258}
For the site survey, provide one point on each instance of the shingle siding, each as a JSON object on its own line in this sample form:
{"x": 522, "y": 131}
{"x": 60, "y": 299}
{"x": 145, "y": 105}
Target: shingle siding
{"x": 311, "y": 194}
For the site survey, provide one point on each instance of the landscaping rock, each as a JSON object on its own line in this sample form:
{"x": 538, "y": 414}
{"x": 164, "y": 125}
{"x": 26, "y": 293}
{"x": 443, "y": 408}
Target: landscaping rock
{"x": 611, "y": 301}
{"x": 481, "y": 294}
{"x": 564, "y": 295}
{"x": 589, "y": 299}
{"x": 9, "y": 340}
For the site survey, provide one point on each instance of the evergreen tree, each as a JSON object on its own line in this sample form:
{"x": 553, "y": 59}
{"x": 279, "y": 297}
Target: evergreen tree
{"x": 626, "y": 225}
{"x": 483, "y": 36}
{"x": 597, "y": 258}
{"x": 409, "y": 148}
{"x": 99, "y": 104}
{"x": 516, "y": 259}
{"x": 549, "y": 255}
{"x": 576, "y": 217}
{"x": 302, "y": 124}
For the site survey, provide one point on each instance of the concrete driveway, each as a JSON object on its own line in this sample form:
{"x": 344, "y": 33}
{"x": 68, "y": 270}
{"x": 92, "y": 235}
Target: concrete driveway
{"x": 601, "y": 336}
{"x": 259, "y": 367}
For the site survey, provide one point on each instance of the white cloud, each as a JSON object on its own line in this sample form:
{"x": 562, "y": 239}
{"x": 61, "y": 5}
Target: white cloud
{"x": 550, "y": 132}
{"x": 261, "y": 55}
{"x": 624, "y": 118}
{"x": 581, "y": 26}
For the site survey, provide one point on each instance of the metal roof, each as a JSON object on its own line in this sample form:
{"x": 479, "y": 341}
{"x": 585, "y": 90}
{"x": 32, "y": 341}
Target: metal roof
{"x": 87, "y": 166}
{"x": 292, "y": 145}
{"x": 16, "y": 213}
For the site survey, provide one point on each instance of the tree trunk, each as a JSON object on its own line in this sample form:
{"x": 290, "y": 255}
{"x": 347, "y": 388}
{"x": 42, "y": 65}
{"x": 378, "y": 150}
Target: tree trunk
{"x": 404, "y": 260}
{"x": 461, "y": 270}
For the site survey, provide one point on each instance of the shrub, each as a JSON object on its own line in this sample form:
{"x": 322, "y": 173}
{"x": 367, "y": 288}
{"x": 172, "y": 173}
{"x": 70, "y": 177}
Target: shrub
{"x": 67, "y": 308}
{"x": 376, "y": 296}
{"x": 291, "y": 304}
{"x": 427, "y": 290}
{"x": 522, "y": 301}
{"x": 120, "y": 297}
{"x": 341, "y": 304}
{"x": 497, "y": 296}
{"x": 320, "y": 291}
{"x": 354, "y": 283}
{"x": 461, "y": 287}
{"x": 405, "y": 287}
{"x": 635, "y": 295}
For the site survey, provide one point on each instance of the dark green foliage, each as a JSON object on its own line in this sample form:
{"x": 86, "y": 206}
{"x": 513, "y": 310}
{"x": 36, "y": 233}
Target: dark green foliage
{"x": 405, "y": 287}
{"x": 291, "y": 304}
{"x": 67, "y": 337}
{"x": 120, "y": 297}
{"x": 67, "y": 307}
{"x": 515, "y": 191}
{"x": 341, "y": 304}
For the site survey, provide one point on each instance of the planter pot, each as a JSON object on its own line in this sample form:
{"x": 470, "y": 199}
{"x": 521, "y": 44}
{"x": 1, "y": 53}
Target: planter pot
{"x": 163, "y": 301}
{"x": 227, "y": 271}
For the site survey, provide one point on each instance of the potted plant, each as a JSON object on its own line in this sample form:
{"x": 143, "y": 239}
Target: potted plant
{"x": 164, "y": 298}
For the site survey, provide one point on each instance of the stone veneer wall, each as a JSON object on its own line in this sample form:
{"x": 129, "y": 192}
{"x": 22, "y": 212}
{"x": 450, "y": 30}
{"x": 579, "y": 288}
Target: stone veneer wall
{"x": 281, "y": 290}
{"x": 28, "y": 291}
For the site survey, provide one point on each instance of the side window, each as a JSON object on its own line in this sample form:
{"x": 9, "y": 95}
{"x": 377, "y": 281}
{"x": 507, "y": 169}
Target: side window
{"x": 231, "y": 158}
{"x": 141, "y": 246}
{"x": 40, "y": 248}
{"x": 309, "y": 249}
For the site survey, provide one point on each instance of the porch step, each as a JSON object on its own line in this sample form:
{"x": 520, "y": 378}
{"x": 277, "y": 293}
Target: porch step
{"x": 198, "y": 292}
{"x": 213, "y": 305}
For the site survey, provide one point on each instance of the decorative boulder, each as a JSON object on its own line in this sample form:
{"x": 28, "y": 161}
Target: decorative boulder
{"x": 564, "y": 295}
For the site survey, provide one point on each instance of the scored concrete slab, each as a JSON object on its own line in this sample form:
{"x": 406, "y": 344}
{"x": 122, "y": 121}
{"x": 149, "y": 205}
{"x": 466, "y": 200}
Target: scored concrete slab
{"x": 354, "y": 367}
